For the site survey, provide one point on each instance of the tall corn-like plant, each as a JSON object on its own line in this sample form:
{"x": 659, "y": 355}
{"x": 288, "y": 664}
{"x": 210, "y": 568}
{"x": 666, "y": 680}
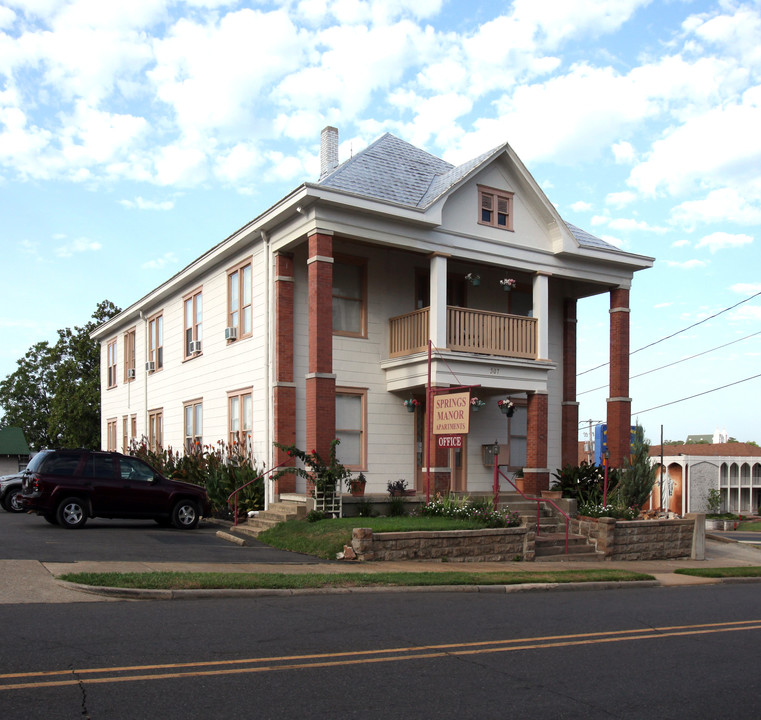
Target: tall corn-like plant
{"x": 638, "y": 475}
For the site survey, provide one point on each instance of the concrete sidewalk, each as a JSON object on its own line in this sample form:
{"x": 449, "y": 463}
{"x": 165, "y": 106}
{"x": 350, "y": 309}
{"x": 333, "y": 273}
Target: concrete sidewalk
{"x": 29, "y": 581}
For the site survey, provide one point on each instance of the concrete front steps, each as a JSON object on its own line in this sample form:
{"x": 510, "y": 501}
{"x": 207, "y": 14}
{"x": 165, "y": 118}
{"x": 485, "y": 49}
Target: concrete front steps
{"x": 288, "y": 508}
{"x": 550, "y": 536}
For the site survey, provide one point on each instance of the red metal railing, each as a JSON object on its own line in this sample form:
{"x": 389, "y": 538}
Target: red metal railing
{"x": 235, "y": 492}
{"x": 498, "y": 472}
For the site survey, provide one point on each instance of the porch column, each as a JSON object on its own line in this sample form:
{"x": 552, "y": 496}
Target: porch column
{"x": 320, "y": 380}
{"x": 284, "y": 391}
{"x": 536, "y": 474}
{"x": 438, "y": 300}
{"x": 541, "y": 304}
{"x": 569, "y": 453}
{"x": 619, "y": 402}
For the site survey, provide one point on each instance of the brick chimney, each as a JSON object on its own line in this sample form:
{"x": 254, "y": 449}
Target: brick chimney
{"x": 328, "y": 150}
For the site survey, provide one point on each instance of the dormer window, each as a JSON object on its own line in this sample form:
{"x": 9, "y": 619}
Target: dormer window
{"x": 495, "y": 208}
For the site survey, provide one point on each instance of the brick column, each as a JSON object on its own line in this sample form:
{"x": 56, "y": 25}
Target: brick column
{"x": 536, "y": 476}
{"x": 320, "y": 382}
{"x": 284, "y": 391}
{"x": 619, "y": 402}
{"x": 569, "y": 453}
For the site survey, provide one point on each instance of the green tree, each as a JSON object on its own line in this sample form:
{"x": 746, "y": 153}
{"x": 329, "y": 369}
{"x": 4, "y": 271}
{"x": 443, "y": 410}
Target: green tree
{"x": 25, "y": 394}
{"x": 638, "y": 475}
{"x": 54, "y": 394}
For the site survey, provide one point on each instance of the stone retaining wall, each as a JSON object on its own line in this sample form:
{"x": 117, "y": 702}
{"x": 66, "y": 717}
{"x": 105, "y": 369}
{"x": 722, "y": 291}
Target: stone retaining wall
{"x": 487, "y": 545}
{"x": 641, "y": 539}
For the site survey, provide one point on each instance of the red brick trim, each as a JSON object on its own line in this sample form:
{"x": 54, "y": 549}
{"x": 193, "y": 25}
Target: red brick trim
{"x": 320, "y": 387}
{"x": 535, "y": 474}
{"x": 570, "y": 408}
{"x": 619, "y": 403}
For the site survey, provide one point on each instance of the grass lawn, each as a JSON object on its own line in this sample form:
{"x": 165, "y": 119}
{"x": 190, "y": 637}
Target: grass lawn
{"x": 208, "y": 581}
{"x": 325, "y": 538}
{"x": 726, "y": 572}
{"x": 750, "y": 526}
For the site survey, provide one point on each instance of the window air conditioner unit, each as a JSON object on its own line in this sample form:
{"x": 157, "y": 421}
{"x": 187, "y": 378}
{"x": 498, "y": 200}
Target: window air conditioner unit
{"x": 231, "y": 333}
{"x": 194, "y": 346}
{"x": 130, "y": 373}
{"x": 150, "y": 366}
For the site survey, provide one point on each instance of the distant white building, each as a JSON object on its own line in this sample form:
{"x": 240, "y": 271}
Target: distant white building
{"x": 692, "y": 470}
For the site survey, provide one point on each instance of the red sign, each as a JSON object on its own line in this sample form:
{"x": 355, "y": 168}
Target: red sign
{"x": 450, "y": 441}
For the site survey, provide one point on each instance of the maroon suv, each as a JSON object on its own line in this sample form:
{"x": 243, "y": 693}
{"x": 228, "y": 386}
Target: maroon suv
{"x": 68, "y": 486}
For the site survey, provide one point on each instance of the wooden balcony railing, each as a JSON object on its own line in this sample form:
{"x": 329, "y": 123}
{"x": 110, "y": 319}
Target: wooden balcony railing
{"x": 475, "y": 331}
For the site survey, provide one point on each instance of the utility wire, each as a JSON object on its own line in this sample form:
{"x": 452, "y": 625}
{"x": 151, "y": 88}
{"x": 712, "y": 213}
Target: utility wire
{"x": 676, "y": 362}
{"x": 674, "y": 402}
{"x": 678, "y": 332}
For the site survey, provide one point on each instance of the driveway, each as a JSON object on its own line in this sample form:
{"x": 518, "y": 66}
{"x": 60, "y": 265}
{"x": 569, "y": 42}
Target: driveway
{"x": 28, "y": 544}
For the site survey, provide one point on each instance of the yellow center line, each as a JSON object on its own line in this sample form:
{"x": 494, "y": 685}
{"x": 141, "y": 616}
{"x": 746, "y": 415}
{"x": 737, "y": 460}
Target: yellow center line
{"x": 359, "y": 657}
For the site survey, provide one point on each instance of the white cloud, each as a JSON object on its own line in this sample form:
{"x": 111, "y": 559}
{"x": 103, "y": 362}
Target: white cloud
{"x": 581, "y": 206}
{"x": 680, "y": 243}
{"x": 722, "y": 240}
{"x": 623, "y": 152}
{"x": 719, "y": 206}
{"x": 161, "y": 262}
{"x": 79, "y": 245}
{"x": 687, "y": 265}
{"x": 140, "y": 203}
{"x": 620, "y": 199}
{"x": 746, "y": 288}
{"x": 184, "y": 166}
{"x": 629, "y": 224}
{"x": 729, "y": 151}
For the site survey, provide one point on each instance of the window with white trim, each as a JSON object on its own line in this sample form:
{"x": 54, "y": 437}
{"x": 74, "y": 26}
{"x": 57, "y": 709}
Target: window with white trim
{"x": 350, "y": 427}
{"x": 495, "y": 208}
{"x": 193, "y": 314}
{"x": 156, "y": 341}
{"x": 156, "y": 430}
{"x": 350, "y": 296}
{"x": 129, "y": 355}
{"x": 193, "y": 423}
{"x": 240, "y": 419}
{"x": 111, "y": 353}
{"x": 239, "y": 299}
{"x": 111, "y": 435}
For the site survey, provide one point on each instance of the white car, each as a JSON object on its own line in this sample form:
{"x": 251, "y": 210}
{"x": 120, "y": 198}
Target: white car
{"x": 10, "y": 492}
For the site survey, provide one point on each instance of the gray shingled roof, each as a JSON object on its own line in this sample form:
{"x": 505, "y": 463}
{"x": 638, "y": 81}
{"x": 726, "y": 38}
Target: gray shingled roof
{"x": 586, "y": 239}
{"x": 393, "y": 170}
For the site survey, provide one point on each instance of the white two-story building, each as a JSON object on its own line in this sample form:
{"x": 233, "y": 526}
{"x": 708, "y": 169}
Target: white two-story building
{"x": 395, "y": 271}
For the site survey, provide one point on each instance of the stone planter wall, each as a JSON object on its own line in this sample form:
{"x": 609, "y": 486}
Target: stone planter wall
{"x": 641, "y": 539}
{"x": 489, "y": 544}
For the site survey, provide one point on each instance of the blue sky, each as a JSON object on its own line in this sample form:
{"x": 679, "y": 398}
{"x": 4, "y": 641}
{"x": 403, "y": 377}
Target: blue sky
{"x": 134, "y": 136}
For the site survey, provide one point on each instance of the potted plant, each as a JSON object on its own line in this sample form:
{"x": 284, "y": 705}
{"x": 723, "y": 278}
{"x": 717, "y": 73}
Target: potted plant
{"x": 507, "y": 284}
{"x": 476, "y": 404}
{"x": 506, "y": 407}
{"x": 398, "y": 488}
{"x": 713, "y": 503}
{"x": 356, "y": 485}
{"x": 411, "y": 404}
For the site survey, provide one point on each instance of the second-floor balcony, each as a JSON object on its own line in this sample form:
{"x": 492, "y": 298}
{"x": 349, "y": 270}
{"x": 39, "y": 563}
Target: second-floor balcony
{"x": 468, "y": 330}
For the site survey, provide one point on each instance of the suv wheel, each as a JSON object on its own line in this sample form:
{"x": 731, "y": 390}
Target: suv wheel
{"x": 71, "y": 513}
{"x": 185, "y": 515}
{"x": 12, "y": 500}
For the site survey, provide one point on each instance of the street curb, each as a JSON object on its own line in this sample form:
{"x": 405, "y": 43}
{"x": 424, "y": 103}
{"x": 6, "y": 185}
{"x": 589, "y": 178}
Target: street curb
{"x": 144, "y": 594}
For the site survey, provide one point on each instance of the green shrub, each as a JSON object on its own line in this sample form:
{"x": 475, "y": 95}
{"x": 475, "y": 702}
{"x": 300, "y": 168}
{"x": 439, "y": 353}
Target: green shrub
{"x": 585, "y": 482}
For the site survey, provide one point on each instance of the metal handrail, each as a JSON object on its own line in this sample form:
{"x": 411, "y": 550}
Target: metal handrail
{"x": 537, "y": 500}
{"x": 235, "y": 492}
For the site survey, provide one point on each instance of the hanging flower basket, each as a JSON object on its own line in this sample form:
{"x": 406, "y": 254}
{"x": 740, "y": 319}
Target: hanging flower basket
{"x": 411, "y": 404}
{"x": 476, "y": 404}
{"x": 474, "y": 279}
{"x": 506, "y": 407}
{"x": 507, "y": 284}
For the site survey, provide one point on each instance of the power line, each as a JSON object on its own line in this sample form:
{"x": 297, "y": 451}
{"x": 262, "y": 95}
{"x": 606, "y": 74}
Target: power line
{"x": 678, "y": 332}
{"x": 676, "y": 362}
{"x": 674, "y": 402}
